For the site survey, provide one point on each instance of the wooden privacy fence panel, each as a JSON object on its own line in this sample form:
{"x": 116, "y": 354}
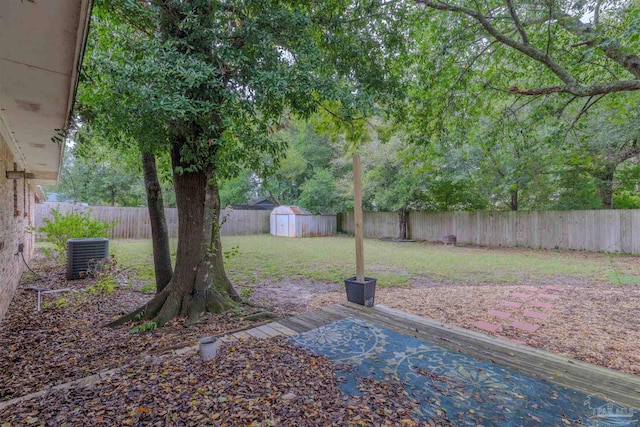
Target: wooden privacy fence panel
{"x": 133, "y": 223}
{"x": 593, "y": 230}
{"x": 315, "y": 225}
{"x": 376, "y": 224}
{"x": 244, "y": 222}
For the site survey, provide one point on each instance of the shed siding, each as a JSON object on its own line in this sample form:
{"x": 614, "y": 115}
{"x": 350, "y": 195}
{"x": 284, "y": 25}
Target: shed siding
{"x": 292, "y": 221}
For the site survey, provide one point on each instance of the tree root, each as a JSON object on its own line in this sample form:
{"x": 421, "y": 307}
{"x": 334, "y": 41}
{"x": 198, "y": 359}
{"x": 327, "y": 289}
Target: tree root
{"x": 147, "y": 311}
{"x": 166, "y": 305}
{"x": 261, "y": 307}
{"x": 172, "y": 307}
{"x": 261, "y": 315}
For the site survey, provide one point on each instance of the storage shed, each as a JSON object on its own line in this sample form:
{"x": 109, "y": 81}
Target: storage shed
{"x": 292, "y": 221}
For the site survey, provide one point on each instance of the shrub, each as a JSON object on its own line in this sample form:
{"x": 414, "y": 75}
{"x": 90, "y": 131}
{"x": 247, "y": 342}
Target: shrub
{"x": 104, "y": 285}
{"x": 61, "y": 302}
{"x": 245, "y": 293}
{"x": 626, "y": 200}
{"x": 73, "y": 225}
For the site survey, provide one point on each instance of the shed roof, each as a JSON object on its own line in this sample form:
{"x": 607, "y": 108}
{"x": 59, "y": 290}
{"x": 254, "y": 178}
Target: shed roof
{"x": 289, "y": 210}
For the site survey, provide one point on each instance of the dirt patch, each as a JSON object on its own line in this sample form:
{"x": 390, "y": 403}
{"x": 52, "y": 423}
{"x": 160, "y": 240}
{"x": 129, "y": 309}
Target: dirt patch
{"x": 289, "y": 296}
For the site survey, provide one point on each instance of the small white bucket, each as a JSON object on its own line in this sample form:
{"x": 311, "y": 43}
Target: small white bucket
{"x": 208, "y": 347}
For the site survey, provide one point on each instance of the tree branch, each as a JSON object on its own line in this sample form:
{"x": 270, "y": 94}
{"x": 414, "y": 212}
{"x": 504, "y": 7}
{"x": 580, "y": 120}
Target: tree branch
{"x": 596, "y": 14}
{"x": 528, "y": 50}
{"x": 549, "y": 28}
{"x": 587, "y": 105}
{"x": 566, "y": 104}
{"x": 516, "y": 21}
{"x": 628, "y": 150}
{"x": 582, "y": 91}
{"x": 611, "y": 48}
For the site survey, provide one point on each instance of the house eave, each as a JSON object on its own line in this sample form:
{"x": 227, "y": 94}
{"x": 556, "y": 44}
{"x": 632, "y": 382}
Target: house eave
{"x": 41, "y": 49}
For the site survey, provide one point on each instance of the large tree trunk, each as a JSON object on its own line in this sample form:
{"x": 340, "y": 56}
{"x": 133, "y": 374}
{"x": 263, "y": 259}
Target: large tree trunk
{"x": 605, "y": 187}
{"x": 199, "y": 282}
{"x": 112, "y": 192}
{"x": 403, "y": 216}
{"x": 514, "y": 198}
{"x": 606, "y": 173}
{"x": 219, "y": 275}
{"x": 159, "y": 234}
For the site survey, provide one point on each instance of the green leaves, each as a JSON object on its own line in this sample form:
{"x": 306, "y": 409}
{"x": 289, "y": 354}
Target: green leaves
{"x": 221, "y": 78}
{"x": 63, "y": 227}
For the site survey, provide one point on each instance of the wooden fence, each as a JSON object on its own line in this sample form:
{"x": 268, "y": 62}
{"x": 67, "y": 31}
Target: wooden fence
{"x": 594, "y": 230}
{"x": 133, "y": 223}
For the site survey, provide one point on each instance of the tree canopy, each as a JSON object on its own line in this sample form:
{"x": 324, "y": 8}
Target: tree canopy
{"x": 210, "y": 83}
{"x": 455, "y": 105}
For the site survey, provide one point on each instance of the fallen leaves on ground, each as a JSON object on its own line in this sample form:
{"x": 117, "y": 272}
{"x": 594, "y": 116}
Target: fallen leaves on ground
{"x": 66, "y": 340}
{"x": 250, "y": 383}
{"x": 593, "y": 322}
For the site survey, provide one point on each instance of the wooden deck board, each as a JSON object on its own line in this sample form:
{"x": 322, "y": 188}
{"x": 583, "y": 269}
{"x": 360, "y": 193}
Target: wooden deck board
{"x": 241, "y": 335}
{"x": 587, "y": 378}
{"x": 315, "y": 319}
{"x": 268, "y": 330}
{"x": 257, "y": 333}
{"x": 310, "y": 320}
{"x": 283, "y": 329}
{"x": 329, "y": 317}
{"x": 296, "y": 324}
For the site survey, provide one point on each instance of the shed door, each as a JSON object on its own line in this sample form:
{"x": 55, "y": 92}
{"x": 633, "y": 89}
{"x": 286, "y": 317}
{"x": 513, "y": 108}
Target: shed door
{"x": 283, "y": 225}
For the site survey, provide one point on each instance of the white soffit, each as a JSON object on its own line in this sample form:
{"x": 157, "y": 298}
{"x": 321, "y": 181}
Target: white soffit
{"x": 41, "y": 48}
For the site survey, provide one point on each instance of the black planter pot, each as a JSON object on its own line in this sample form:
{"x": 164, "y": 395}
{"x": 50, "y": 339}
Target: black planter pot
{"x": 361, "y": 293}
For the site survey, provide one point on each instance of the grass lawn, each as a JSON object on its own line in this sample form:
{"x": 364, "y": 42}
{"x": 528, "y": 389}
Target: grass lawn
{"x": 251, "y": 259}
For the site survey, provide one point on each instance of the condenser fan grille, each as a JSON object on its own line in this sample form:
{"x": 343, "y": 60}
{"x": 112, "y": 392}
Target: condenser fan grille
{"x": 86, "y": 256}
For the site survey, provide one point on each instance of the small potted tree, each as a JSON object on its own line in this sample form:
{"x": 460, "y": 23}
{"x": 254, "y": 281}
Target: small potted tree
{"x": 360, "y": 289}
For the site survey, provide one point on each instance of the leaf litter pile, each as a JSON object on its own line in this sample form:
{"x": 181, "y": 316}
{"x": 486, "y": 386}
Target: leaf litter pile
{"x": 66, "y": 340}
{"x": 251, "y": 382}
{"x": 595, "y": 321}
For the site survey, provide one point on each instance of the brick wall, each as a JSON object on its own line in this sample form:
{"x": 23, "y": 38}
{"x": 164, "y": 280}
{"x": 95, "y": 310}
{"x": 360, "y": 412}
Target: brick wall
{"x": 17, "y": 208}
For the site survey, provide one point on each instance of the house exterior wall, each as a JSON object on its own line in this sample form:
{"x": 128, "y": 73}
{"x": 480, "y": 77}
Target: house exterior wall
{"x": 17, "y": 208}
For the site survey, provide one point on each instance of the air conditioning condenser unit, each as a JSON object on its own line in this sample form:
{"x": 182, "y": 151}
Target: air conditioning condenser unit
{"x": 86, "y": 256}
